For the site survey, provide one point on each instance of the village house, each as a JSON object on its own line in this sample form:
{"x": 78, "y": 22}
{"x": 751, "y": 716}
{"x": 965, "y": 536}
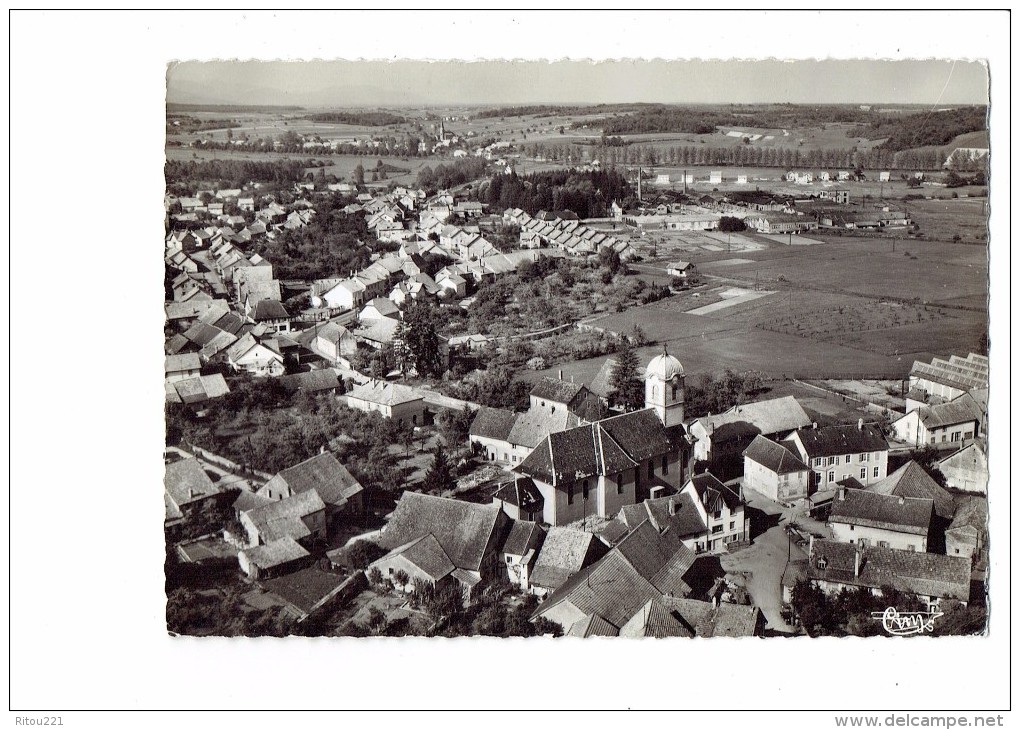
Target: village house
{"x": 342, "y": 494}
{"x": 272, "y": 314}
{"x": 432, "y": 533}
{"x": 721, "y": 508}
{"x": 967, "y": 469}
{"x": 836, "y": 453}
{"x": 187, "y": 489}
{"x": 641, "y": 567}
{"x": 334, "y": 342}
{"x": 181, "y": 367}
{"x": 954, "y": 422}
{"x": 968, "y": 533}
{"x": 260, "y": 357}
{"x": 911, "y": 480}
{"x": 312, "y": 381}
{"x": 722, "y": 438}
{"x": 521, "y": 550}
{"x": 552, "y": 394}
{"x": 775, "y": 470}
{"x": 390, "y": 400}
{"x": 193, "y": 391}
{"x": 779, "y": 222}
{"x": 378, "y": 308}
{"x": 519, "y": 497}
{"x": 866, "y": 518}
{"x": 833, "y": 566}
{"x": 676, "y": 517}
{"x": 683, "y": 270}
{"x": 565, "y": 552}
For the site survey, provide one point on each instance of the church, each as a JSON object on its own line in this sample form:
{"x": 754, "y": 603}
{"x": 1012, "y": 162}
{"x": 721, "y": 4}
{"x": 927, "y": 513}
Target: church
{"x": 599, "y": 467}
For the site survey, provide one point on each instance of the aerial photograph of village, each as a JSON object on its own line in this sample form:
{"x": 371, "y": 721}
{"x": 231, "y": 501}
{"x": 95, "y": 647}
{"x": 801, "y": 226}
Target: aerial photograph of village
{"x": 441, "y": 366}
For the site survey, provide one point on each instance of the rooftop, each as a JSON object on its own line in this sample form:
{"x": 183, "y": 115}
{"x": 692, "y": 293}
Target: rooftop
{"x": 839, "y": 440}
{"x": 565, "y": 552}
{"x": 911, "y": 480}
{"x": 869, "y": 509}
{"x": 777, "y": 458}
{"x": 774, "y": 416}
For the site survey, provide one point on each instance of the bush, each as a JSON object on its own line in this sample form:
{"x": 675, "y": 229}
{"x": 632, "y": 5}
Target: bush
{"x": 362, "y": 553}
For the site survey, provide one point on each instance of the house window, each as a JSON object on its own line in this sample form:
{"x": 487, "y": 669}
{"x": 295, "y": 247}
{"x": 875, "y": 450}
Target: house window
{"x": 819, "y": 461}
{"x": 832, "y": 476}
{"x": 956, "y": 435}
{"x": 717, "y": 529}
{"x": 584, "y": 489}
{"x": 851, "y": 528}
{"x": 967, "y": 435}
{"x": 391, "y": 571}
{"x": 883, "y": 543}
{"x": 957, "y": 551}
{"x": 933, "y": 439}
{"x": 619, "y": 483}
{"x": 822, "y": 563}
{"x": 876, "y": 472}
{"x": 832, "y": 460}
{"x": 509, "y": 559}
{"x": 943, "y": 437}
{"x": 716, "y": 515}
{"x": 733, "y": 525}
{"x": 867, "y": 457}
{"x": 848, "y": 458}
{"x": 864, "y": 542}
{"x": 911, "y": 548}
{"x": 861, "y": 457}
{"x": 570, "y": 494}
{"x": 864, "y": 473}
{"x": 665, "y": 465}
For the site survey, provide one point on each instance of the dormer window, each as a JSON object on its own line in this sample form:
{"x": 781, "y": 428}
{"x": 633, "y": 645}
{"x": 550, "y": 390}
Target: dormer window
{"x": 822, "y": 563}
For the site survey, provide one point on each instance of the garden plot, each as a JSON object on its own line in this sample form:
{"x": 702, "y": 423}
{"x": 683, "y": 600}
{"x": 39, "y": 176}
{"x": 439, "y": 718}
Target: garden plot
{"x": 795, "y": 240}
{"x": 736, "y": 241}
{"x": 731, "y": 297}
{"x": 728, "y": 262}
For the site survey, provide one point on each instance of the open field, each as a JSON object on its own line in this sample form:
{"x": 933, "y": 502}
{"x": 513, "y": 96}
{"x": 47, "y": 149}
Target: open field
{"x": 945, "y": 218}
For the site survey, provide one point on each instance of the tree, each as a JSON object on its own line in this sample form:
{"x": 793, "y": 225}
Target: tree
{"x": 454, "y": 425}
{"x": 359, "y": 175}
{"x": 730, "y": 224}
{"x": 626, "y": 387}
{"x": 439, "y": 478}
{"x": 421, "y": 340}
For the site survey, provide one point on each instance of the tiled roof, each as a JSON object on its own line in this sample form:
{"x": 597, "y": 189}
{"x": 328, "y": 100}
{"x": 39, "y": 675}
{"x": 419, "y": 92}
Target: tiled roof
{"x": 305, "y": 588}
{"x": 323, "y": 474}
{"x": 654, "y": 620}
{"x": 775, "y": 457}
{"x": 709, "y": 620}
{"x": 494, "y": 423}
{"x": 521, "y": 535}
{"x": 605, "y": 447}
{"x": 713, "y": 493}
{"x": 463, "y": 529}
{"x": 186, "y": 481}
{"x": 962, "y": 409}
{"x": 379, "y": 330}
{"x": 558, "y": 391}
{"x": 685, "y": 521}
{"x": 311, "y": 381}
{"x": 179, "y": 363}
{"x": 277, "y": 552}
{"x": 283, "y": 518}
{"x": 839, "y": 440}
{"x": 384, "y": 306}
{"x": 637, "y": 570}
{"x": 565, "y": 552}
{"x": 774, "y": 416}
{"x": 531, "y": 427}
{"x": 911, "y": 480}
{"x": 592, "y": 626}
{"x": 520, "y": 491}
{"x": 389, "y": 394}
{"x": 199, "y": 389}
{"x": 972, "y": 513}
{"x": 601, "y": 384}
{"x": 868, "y": 509}
{"x": 269, "y": 309}
{"x": 926, "y": 574}
{"x": 428, "y": 555}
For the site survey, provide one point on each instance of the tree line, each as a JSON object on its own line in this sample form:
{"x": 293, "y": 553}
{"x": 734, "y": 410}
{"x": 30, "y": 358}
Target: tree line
{"x": 586, "y": 193}
{"x": 234, "y": 173}
{"x": 362, "y": 118}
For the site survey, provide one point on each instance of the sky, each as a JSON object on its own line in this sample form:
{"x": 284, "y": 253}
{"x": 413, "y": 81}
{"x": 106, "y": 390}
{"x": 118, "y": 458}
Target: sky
{"x": 413, "y": 82}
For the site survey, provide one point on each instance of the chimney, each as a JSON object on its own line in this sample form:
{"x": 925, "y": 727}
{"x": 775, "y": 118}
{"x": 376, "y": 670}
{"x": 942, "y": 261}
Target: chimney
{"x": 715, "y": 601}
{"x": 842, "y": 494}
{"x": 191, "y": 493}
{"x": 672, "y": 508}
{"x": 857, "y": 562}
{"x": 901, "y": 500}
{"x": 814, "y": 425}
{"x": 860, "y": 424}
{"x": 560, "y": 373}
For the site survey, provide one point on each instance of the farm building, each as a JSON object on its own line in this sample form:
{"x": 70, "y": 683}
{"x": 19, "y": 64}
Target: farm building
{"x": 943, "y": 380}
{"x": 391, "y": 400}
{"x": 967, "y": 469}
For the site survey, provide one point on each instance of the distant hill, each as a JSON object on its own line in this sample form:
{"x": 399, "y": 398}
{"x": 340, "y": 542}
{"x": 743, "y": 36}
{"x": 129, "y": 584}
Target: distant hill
{"x": 176, "y": 108}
